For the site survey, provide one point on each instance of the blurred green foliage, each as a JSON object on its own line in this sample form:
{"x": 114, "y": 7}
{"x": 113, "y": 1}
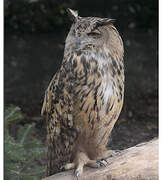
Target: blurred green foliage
{"x": 21, "y": 152}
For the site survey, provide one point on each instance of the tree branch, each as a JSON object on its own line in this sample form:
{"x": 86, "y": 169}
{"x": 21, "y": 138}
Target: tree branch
{"x": 136, "y": 163}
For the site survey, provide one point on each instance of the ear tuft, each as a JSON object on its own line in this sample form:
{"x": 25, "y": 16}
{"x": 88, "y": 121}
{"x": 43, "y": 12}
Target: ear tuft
{"x": 72, "y": 14}
{"x": 105, "y": 21}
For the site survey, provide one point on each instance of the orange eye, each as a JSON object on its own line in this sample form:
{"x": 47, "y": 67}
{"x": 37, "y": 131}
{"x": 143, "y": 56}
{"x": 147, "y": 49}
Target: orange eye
{"x": 94, "y": 35}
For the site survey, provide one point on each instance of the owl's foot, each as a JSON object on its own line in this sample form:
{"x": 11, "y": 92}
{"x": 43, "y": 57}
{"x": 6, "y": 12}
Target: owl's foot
{"x": 102, "y": 162}
{"x": 68, "y": 166}
{"x": 78, "y": 163}
{"x": 108, "y": 153}
{"x": 90, "y": 163}
{"x": 97, "y": 164}
{"x": 81, "y": 160}
{"x": 79, "y": 170}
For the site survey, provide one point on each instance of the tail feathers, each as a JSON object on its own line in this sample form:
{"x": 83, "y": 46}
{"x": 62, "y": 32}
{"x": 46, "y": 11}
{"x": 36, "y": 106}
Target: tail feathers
{"x": 52, "y": 157}
{"x": 57, "y": 156}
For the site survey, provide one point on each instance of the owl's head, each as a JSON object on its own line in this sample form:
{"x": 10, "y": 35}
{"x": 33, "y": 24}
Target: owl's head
{"x": 91, "y": 32}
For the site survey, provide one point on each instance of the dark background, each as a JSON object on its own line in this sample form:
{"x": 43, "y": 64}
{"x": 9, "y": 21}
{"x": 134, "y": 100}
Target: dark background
{"x": 35, "y": 31}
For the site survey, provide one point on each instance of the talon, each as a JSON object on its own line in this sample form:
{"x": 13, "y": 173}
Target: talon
{"x": 105, "y": 161}
{"x": 78, "y": 173}
{"x": 117, "y": 151}
{"x": 102, "y": 162}
{"x": 98, "y": 164}
{"x": 62, "y": 167}
{"x": 67, "y": 166}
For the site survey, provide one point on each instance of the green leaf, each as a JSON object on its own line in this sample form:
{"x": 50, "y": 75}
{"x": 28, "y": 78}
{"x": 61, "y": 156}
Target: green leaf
{"x": 11, "y": 114}
{"x": 12, "y": 167}
{"x": 27, "y": 177}
{"x": 21, "y": 154}
{"x": 34, "y": 144}
{"x": 38, "y": 170}
{"x": 34, "y": 171}
{"x": 26, "y": 132}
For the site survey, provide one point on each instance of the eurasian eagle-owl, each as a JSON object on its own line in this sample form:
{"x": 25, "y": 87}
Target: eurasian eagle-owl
{"x": 85, "y": 97}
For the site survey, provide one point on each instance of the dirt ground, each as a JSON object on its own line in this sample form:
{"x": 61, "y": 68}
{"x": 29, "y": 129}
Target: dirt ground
{"x": 31, "y": 60}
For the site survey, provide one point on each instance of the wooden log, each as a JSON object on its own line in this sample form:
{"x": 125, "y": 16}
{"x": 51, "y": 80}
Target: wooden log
{"x": 136, "y": 163}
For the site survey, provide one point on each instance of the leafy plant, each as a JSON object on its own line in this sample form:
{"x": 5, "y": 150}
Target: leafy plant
{"x": 21, "y": 153}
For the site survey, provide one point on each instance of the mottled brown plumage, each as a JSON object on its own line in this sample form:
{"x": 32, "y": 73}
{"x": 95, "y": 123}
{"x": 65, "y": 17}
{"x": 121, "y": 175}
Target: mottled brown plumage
{"x": 85, "y": 97}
